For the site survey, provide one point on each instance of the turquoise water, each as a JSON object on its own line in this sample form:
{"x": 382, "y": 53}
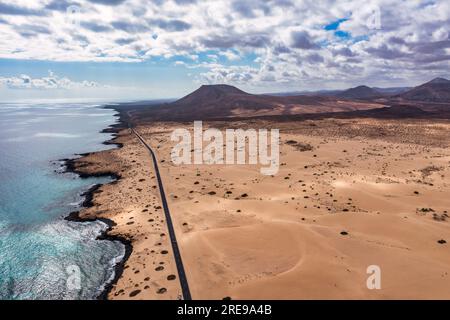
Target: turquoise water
{"x": 43, "y": 256}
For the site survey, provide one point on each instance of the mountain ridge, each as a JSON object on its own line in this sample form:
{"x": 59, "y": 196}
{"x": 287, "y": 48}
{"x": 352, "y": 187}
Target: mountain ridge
{"x": 226, "y": 101}
{"x": 359, "y": 92}
{"x": 223, "y": 101}
{"x": 436, "y": 90}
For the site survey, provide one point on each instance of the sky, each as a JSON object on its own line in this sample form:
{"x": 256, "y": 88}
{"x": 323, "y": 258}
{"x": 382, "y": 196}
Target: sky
{"x": 128, "y": 50}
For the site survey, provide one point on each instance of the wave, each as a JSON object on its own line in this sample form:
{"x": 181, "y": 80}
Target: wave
{"x": 56, "y": 135}
{"x": 50, "y": 251}
{"x": 36, "y": 244}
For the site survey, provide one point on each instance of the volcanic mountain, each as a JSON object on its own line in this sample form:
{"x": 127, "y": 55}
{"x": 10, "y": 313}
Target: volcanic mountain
{"x": 225, "y": 101}
{"x": 360, "y": 92}
{"x": 436, "y": 90}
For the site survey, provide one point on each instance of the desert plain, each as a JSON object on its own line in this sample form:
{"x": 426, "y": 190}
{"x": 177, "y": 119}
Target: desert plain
{"x": 349, "y": 194}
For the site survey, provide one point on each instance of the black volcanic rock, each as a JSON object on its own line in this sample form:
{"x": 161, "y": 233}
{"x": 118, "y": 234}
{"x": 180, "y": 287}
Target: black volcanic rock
{"x": 398, "y": 111}
{"x": 436, "y": 90}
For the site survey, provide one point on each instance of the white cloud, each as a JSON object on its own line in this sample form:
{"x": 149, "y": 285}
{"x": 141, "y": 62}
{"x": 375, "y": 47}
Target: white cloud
{"x": 230, "y": 55}
{"x": 52, "y": 81}
{"x": 287, "y": 37}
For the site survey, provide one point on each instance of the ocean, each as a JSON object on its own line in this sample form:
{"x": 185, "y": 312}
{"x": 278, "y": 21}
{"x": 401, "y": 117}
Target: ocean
{"x": 42, "y": 255}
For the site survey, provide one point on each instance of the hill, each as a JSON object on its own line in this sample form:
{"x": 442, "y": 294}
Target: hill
{"x": 436, "y": 90}
{"x": 225, "y": 101}
{"x": 360, "y": 92}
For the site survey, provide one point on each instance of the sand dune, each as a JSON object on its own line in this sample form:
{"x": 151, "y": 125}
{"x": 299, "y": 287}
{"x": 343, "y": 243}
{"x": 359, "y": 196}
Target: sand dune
{"x": 312, "y": 230}
{"x": 349, "y": 194}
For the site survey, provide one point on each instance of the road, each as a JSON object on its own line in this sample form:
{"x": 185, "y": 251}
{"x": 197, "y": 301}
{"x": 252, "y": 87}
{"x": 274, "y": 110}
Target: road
{"x": 176, "y": 252}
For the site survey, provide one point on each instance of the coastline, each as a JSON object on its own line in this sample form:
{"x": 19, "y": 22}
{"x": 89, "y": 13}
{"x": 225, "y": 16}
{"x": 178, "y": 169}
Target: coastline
{"x": 131, "y": 207}
{"x": 315, "y": 204}
{"x": 88, "y": 196}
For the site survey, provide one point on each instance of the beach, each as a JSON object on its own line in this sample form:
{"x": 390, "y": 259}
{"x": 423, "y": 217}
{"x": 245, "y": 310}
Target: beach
{"x": 349, "y": 194}
{"x": 132, "y": 204}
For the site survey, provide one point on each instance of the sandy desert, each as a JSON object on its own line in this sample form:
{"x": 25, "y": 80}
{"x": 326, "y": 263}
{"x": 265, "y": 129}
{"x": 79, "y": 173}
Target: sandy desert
{"x": 350, "y": 193}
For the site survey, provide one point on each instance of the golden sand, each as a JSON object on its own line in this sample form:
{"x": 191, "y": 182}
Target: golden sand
{"x": 349, "y": 194}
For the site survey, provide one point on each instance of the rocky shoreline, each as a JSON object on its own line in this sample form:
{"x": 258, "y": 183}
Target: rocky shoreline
{"x": 70, "y": 166}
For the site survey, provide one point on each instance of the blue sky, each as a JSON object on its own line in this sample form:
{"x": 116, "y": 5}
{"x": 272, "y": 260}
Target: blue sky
{"x": 142, "y": 78}
{"x": 135, "y": 49}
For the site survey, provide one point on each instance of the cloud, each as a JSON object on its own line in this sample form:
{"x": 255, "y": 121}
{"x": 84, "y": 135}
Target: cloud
{"x": 49, "y": 82}
{"x": 344, "y": 51}
{"x": 250, "y": 9}
{"x": 108, "y": 2}
{"x": 170, "y": 25}
{"x": 30, "y": 30}
{"x": 14, "y": 10}
{"x": 184, "y": 2}
{"x": 315, "y": 58}
{"x": 230, "y": 55}
{"x": 60, "y": 5}
{"x": 385, "y": 52}
{"x": 125, "y": 41}
{"x": 96, "y": 27}
{"x": 264, "y": 42}
{"x": 236, "y": 40}
{"x": 302, "y": 40}
{"x": 129, "y": 27}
